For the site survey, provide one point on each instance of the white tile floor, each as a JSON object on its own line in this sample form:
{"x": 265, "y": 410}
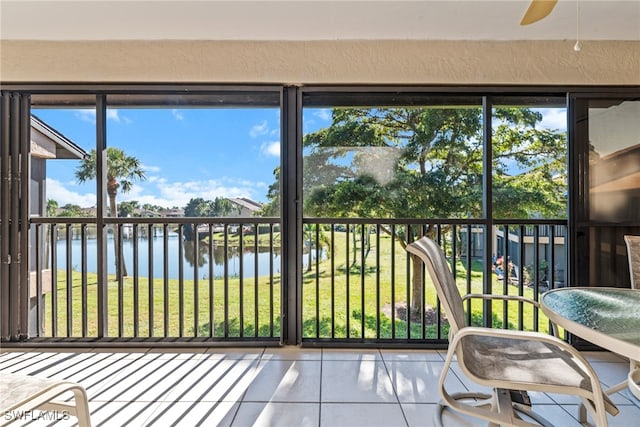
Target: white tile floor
{"x": 278, "y": 387}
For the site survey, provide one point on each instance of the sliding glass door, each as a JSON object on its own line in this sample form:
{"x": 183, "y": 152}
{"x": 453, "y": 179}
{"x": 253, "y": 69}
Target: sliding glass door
{"x": 607, "y": 200}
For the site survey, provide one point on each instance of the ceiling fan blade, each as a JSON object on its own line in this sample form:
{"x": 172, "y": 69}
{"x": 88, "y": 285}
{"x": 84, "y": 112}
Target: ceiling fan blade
{"x": 537, "y": 10}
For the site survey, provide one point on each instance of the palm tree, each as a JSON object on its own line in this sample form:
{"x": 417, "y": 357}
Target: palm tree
{"x": 52, "y": 207}
{"x": 122, "y": 170}
{"x": 309, "y": 234}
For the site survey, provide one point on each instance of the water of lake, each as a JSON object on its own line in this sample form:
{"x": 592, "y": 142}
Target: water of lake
{"x": 172, "y": 258}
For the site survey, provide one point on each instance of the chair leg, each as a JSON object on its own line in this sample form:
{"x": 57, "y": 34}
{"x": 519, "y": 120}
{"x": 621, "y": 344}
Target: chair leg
{"x": 47, "y": 400}
{"x": 79, "y": 408}
{"x": 634, "y": 379}
{"x": 582, "y": 413}
{"x": 497, "y": 409}
{"x": 82, "y": 407}
{"x": 586, "y": 408}
{"x": 525, "y": 409}
{"x": 478, "y": 400}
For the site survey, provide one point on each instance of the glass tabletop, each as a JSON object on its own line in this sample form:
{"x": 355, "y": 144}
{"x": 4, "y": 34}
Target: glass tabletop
{"x": 608, "y": 317}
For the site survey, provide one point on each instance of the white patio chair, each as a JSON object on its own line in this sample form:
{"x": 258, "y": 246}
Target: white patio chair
{"x": 633, "y": 254}
{"x": 509, "y": 362}
{"x": 20, "y": 394}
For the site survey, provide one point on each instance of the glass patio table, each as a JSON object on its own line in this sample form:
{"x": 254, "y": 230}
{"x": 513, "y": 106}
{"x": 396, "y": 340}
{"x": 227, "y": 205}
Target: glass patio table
{"x": 608, "y": 317}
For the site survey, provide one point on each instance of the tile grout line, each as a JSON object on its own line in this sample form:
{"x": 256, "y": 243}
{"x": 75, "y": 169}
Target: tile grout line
{"x": 320, "y": 385}
{"x": 393, "y": 386}
{"x": 240, "y": 399}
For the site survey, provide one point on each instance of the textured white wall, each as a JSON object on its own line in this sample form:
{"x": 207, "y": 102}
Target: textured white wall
{"x": 323, "y": 62}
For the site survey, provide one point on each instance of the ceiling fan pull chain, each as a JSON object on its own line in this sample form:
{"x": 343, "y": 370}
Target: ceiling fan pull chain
{"x": 578, "y": 46}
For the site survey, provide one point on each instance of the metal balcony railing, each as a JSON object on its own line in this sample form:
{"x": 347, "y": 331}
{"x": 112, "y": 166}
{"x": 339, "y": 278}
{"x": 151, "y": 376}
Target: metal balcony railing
{"x": 180, "y": 278}
{"x": 362, "y": 289}
{"x": 217, "y": 280}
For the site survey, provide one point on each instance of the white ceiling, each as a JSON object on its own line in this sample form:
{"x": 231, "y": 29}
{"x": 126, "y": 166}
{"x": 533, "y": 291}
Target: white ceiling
{"x": 312, "y": 20}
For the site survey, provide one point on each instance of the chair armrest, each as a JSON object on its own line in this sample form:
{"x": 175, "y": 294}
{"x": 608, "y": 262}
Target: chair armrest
{"x": 515, "y": 335}
{"x": 554, "y": 328}
{"x": 502, "y": 297}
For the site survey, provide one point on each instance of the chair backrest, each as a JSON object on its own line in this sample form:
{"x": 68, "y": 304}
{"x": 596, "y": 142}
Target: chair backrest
{"x": 436, "y": 262}
{"x": 633, "y": 251}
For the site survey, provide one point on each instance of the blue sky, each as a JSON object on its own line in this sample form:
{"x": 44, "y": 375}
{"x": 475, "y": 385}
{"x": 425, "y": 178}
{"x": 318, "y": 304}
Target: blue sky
{"x": 187, "y": 153}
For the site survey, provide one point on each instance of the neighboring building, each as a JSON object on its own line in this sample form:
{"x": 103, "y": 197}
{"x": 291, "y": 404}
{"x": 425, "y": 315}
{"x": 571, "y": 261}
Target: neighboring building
{"x": 172, "y": 213}
{"x": 146, "y": 213}
{"x": 46, "y": 144}
{"x": 247, "y": 207}
{"x": 544, "y": 252}
{"x": 91, "y": 212}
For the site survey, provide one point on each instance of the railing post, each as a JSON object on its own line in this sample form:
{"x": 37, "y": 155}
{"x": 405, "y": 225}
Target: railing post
{"x": 487, "y": 202}
{"x": 101, "y": 238}
{"x": 291, "y": 209}
{"x": 5, "y": 213}
{"x": 25, "y": 211}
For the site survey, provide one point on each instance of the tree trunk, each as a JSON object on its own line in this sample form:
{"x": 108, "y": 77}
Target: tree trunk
{"x": 310, "y": 257}
{"x": 354, "y": 250}
{"x": 416, "y": 282}
{"x": 415, "y": 305}
{"x": 367, "y": 239}
{"x": 121, "y": 267}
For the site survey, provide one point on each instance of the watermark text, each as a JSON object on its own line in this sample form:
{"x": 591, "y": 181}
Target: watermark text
{"x": 33, "y": 415}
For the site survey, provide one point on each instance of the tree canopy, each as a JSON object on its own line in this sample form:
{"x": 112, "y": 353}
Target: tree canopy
{"x": 121, "y": 170}
{"x": 220, "y": 206}
{"x": 52, "y": 207}
{"x": 427, "y": 163}
{"x": 199, "y": 207}
{"x": 70, "y": 210}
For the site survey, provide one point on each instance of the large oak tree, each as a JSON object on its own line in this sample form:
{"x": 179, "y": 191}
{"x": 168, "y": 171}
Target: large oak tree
{"x": 427, "y": 163}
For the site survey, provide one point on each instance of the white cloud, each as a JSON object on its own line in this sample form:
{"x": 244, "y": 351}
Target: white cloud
{"x": 179, "y": 193}
{"x": 86, "y": 115}
{"x": 554, "y": 118}
{"x": 159, "y": 180}
{"x": 151, "y": 168}
{"x": 57, "y": 191}
{"x": 271, "y": 148}
{"x": 260, "y": 129}
{"x": 323, "y": 114}
{"x": 90, "y": 115}
{"x": 177, "y": 115}
{"x": 158, "y": 191}
{"x": 113, "y": 115}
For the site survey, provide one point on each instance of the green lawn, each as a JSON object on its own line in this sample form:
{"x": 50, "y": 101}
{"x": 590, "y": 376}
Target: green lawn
{"x": 240, "y": 300}
{"x": 169, "y": 297}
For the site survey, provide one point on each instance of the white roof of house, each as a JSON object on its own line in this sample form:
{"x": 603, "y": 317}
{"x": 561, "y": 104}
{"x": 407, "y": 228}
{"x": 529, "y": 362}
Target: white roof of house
{"x": 65, "y": 148}
{"x": 247, "y": 203}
